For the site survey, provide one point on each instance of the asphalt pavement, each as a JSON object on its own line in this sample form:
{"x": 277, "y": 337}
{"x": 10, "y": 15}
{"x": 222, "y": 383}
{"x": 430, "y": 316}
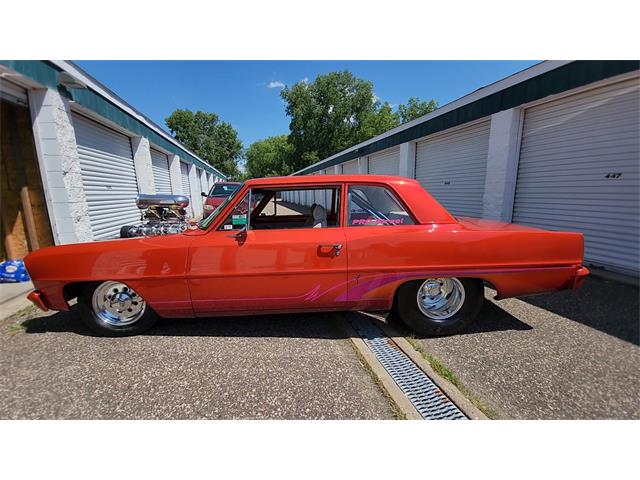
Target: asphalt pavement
{"x": 564, "y": 355}
{"x": 262, "y": 367}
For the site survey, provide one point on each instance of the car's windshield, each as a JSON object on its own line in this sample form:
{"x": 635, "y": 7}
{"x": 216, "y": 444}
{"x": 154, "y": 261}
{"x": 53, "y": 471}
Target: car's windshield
{"x": 205, "y": 222}
{"x": 221, "y": 190}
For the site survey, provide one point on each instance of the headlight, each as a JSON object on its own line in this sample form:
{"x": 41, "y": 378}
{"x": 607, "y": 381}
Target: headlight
{"x": 208, "y": 208}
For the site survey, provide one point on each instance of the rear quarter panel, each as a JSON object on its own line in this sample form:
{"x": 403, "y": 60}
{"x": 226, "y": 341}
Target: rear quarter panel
{"x": 516, "y": 261}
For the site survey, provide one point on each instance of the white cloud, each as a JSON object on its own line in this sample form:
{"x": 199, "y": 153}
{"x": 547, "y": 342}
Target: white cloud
{"x": 275, "y": 84}
{"x": 305, "y": 80}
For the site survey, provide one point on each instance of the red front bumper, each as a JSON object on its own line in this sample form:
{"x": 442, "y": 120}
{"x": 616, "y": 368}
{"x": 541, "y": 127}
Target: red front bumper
{"x": 37, "y": 299}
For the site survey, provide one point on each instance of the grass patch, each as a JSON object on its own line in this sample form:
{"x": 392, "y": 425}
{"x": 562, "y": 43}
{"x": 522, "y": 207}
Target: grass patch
{"x": 15, "y": 324}
{"x": 397, "y": 413}
{"x": 444, "y": 372}
{"x": 24, "y": 311}
{"x": 16, "y": 329}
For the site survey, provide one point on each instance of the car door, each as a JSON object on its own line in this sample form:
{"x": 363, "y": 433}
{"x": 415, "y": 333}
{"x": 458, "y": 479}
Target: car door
{"x": 234, "y": 271}
{"x": 382, "y": 237}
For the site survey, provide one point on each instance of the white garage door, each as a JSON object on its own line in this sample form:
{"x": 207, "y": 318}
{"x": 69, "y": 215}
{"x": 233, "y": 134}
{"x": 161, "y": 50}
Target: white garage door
{"x": 186, "y": 185}
{"x": 203, "y": 181}
{"x": 350, "y": 167}
{"x": 579, "y": 171}
{"x": 198, "y": 202}
{"x": 161, "y": 174}
{"x": 386, "y": 162}
{"x": 108, "y": 177}
{"x": 451, "y": 166}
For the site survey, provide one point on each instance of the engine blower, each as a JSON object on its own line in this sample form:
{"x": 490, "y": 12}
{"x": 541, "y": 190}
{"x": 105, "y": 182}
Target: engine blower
{"x": 159, "y": 215}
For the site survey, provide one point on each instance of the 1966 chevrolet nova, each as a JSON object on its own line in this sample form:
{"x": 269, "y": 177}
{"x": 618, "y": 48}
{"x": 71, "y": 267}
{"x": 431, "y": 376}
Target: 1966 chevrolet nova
{"x": 310, "y": 244}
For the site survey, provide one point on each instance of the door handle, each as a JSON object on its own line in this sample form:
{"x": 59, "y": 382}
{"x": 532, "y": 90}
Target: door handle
{"x": 335, "y": 246}
{"x": 240, "y": 235}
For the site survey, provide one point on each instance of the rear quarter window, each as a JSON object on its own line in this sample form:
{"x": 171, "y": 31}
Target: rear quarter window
{"x": 373, "y": 205}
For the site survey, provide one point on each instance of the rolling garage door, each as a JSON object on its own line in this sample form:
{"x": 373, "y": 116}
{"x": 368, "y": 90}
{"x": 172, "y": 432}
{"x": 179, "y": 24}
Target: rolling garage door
{"x": 579, "y": 171}
{"x": 199, "y": 188}
{"x": 386, "y": 162}
{"x": 108, "y": 177}
{"x": 202, "y": 178}
{"x": 161, "y": 173}
{"x": 451, "y": 166}
{"x": 350, "y": 167}
{"x": 186, "y": 185}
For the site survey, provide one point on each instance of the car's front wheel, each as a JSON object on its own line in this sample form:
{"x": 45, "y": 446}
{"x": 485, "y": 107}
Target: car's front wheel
{"x": 439, "y": 306}
{"x": 113, "y": 309}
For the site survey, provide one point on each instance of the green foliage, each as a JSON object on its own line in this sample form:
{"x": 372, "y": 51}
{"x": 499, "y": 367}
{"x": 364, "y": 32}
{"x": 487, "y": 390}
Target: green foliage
{"x": 328, "y": 115}
{"x": 381, "y": 120}
{"x": 337, "y": 111}
{"x": 415, "y": 109}
{"x": 214, "y": 141}
{"x": 332, "y": 113}
{"x": 269, "y": 157}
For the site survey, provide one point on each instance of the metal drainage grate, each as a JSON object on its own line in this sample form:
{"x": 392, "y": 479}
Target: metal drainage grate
{"x": 428, "y": 399}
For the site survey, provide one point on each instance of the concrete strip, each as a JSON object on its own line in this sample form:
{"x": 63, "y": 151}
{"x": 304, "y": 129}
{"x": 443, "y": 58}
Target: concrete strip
{"x": 13, "y": 306}
{"x": 390, "y": 386}
{"x": 13, "y": 298}
{"x": 9, "y": 291}
{"x": 450, "y": 390}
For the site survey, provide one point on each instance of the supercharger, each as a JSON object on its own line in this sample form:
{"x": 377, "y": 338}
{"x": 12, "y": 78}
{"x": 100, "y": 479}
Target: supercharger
{"x": 159, "y": 215}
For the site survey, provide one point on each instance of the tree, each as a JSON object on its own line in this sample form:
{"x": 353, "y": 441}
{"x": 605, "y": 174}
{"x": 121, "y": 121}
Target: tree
{"x": 269, "y": 157}
{"x": 334, "y": 112}
{"x": 415, "y": 108}
{"x": 214, "y": 141}
{"x": 381, "y": 120}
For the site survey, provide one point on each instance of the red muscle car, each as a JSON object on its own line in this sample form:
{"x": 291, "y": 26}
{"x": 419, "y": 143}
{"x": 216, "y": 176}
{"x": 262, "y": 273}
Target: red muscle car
{"x": 310, "y": 244}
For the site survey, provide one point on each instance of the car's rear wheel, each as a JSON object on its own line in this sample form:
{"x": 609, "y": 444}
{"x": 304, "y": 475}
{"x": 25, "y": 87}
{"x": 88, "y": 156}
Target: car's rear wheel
{"x": 114, "y": 309}
{"x": 439, "y": 306}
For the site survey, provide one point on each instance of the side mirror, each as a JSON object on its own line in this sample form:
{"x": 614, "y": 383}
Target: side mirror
{"x": 204, "y": 194}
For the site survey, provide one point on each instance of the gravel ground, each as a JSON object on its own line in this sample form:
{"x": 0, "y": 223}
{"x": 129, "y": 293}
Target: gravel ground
{"x": 276, "y": 367}
{"x": 564, "y": 355}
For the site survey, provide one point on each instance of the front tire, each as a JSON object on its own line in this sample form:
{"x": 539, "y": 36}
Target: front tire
{"x": 113, "y": 309}
{"x": 437, "y": 307}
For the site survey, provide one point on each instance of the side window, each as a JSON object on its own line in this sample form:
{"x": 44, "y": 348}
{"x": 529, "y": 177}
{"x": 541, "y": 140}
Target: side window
{"x": 237, "y": 220}
{"x": 296, "y": 208}
{"x": 371, "y": 205}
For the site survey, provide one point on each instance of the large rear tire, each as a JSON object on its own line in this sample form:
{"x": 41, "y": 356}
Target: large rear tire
{"x": 113, "y": 309}
{"x": 437, "y": 307}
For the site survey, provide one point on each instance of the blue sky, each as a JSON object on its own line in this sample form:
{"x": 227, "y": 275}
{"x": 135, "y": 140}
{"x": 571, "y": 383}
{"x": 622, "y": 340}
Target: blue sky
{"x": 246, "y": 93}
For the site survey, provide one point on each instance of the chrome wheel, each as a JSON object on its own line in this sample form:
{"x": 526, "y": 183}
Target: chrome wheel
{"x": 440, "y": 298}
{"x": 117, "y": 304}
